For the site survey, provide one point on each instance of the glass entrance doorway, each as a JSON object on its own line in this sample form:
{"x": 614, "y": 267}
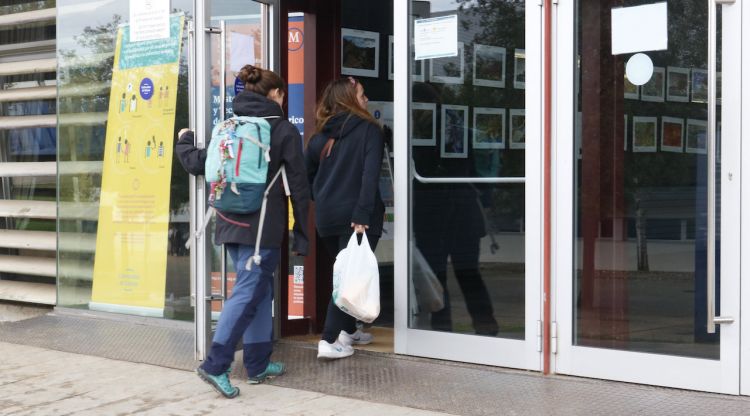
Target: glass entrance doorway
{"x": 469, "y": 163}
{"x": 648, "y": 264}
{"x": 225, "y": 36}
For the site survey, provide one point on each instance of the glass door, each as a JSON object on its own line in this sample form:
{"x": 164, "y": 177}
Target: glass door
{"x": 647, "y": 251}
{"x": 226, "y": 35}
{"x": 468, "y": 181}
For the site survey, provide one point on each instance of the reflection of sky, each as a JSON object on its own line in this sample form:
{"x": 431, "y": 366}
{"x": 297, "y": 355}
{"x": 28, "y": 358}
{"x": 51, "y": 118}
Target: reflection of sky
{"x": 75, "y": 15}
{"x": 445, "y": 5}
{"x": 361, "y": 42}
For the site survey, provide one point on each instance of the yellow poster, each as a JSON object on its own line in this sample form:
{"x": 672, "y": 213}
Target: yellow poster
{"x": 131, "y": 244}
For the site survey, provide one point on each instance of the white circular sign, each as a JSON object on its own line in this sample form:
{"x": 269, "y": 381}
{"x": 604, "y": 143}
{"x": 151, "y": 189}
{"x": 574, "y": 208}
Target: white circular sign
{"x": 639, "y": 69}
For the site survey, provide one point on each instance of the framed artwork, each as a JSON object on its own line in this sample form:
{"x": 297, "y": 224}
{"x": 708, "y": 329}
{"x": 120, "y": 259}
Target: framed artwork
{"x": 644, "y": 134}
{"x": 423, "y": 124}
{"x": 488, "y": 128}
{"x": 672, "y": 134}
{"x": 696, "y": 133}
{"x": 360, "y": 53}
{"x": 454, "y": 132}
{"x": 517, "y": 129}
{"x": 653, "y": 90}
{"x": 625, "y": 131}
{"x": 449, "y": 70}
{"x": 678, "y": 84}
{"x": 631, "y": 90}
{"x": 699, "y": 86}
{"x": 418, "y": 69}
{"x": 519, "y": 69}
{"x": 489, "y": 66}
{"x": 390, "y": 56}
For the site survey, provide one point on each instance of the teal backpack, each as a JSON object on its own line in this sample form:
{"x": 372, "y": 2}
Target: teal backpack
{"x": 237, "y": 161}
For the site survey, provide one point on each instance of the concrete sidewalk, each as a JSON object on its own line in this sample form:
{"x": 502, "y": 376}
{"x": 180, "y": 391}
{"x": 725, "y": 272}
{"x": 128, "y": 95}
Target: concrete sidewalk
{"x": 37, "y": 381}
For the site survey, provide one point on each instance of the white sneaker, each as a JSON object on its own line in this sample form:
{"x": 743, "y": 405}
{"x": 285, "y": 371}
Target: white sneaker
{"x": 358, "y": 337}
{"x": 333, "y": 351}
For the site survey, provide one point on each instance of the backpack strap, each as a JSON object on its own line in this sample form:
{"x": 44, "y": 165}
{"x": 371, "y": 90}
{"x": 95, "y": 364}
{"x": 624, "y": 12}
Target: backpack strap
{"x": 255, "y": 258}
{"x": 201, "y": 228}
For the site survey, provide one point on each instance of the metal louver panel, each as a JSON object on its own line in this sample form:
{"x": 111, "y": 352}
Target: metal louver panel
{"x": 47, "y": 240}
{"x": 36, "y": 16}
{"x": 29, "y": 94}
{"x": 28, "y": 67}
{"x": 28, "y": 292}
{"x": 27, "y": 122}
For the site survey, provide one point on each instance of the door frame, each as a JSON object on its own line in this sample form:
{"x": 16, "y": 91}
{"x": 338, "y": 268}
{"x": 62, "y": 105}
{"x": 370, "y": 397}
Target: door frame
{"x": 525, "y": 354}
{"x": 689, "y": 373}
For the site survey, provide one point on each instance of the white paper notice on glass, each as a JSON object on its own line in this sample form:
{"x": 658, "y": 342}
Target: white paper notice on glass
{"x": 436, "y": 37}
{"x": 639, "y": 28}
{"x": 241, "y": 51}
{"x": 149, "y": 20}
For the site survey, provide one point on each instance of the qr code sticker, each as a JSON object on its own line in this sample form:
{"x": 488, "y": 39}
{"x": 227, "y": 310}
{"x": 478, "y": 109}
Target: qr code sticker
{"x": 299, "y": 275}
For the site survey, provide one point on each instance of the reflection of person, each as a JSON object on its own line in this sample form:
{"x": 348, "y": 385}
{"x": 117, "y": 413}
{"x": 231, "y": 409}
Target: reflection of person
{"x": 126, "y": 151}
{"x": 448, "y": 223}
{"x": 247, "y": 312}
{"x": 343, "y": 166}
{"x": 118, "y": 150}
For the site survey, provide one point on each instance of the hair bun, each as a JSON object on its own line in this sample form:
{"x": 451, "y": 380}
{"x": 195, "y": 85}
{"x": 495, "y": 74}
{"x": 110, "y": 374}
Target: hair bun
{"x": 250, "y": 74}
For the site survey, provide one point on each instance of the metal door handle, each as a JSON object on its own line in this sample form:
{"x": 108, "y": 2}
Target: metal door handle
{"x": 424, "y": 179}
{"x": 223, "y": 77}
{"x": 711, "y": 319}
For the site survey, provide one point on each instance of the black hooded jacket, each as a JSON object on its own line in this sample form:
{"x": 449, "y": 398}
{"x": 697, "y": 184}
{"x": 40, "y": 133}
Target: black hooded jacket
{"x": 345, "y": 183}
{"x": 286, "y": 148}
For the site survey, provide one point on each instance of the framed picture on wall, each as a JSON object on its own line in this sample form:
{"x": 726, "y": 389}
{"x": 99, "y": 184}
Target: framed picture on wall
{"x": 449, "y": 70}
{"x": 631, "y": 90}
{"x": 672, "y": 134}
{"x": 644, "y": 134}
{"x": 390, "y": 56}
{"x": 517, "y": 129}
{"x": 678, "y": 84}
{"x": 360, "y": 53}
{"x": 696, "y": 133}
{"x": 423, "y": 124}
{"x": 488, "y": 128}
{"x": 418, "y": 69}
{"x": 653, "y": 90}
{"x": 625, "y": 131}
{"x": 699, "y": 86}
{"x": 489, "y": 66}
{"x": 454, "y": 132}
{"x": 519, "y": 69}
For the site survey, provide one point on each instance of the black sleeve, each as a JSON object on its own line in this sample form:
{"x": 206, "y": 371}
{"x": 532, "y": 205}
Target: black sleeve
{"x": 370, "y": 176}
{"x": 294, "y": 164}
{"x": 192, "y": 159}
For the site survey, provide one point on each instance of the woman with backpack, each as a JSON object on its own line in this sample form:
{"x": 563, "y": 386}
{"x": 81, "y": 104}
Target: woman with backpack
{"x": 343, "y": 162}
{"x": 247, "y": 314}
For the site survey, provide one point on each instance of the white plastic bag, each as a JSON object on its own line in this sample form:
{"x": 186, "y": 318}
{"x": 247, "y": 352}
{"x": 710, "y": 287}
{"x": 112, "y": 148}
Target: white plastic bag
{"x": 356, "y": 280}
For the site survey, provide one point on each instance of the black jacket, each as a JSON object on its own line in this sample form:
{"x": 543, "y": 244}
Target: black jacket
{"x": 345, "y": 184}
{"x": 286, "y": 148}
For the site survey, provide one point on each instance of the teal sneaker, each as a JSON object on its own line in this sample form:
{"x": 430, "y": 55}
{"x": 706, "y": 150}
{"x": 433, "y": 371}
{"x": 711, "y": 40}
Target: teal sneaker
{"x": 219, "y": 383}
{"x": 274, "y": 369}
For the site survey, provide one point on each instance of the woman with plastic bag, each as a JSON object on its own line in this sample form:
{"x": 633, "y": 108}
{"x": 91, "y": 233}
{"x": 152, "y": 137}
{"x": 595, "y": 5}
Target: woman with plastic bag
{"x": 343, "y": 162}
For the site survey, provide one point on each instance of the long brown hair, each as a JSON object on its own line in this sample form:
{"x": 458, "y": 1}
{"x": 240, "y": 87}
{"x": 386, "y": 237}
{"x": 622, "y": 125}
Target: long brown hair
{"x": 260, "y": 81}
{"x": 340, "y": 96}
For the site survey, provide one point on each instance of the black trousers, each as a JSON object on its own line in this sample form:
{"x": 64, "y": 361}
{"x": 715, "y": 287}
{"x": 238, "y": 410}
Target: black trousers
{"x": 336, "y": 319}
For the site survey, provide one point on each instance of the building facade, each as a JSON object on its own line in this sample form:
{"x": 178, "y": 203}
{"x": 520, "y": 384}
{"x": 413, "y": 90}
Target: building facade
{"x": 567, "y": 191}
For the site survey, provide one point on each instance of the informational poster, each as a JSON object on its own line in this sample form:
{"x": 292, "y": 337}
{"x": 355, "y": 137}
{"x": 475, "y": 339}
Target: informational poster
{"x": 131, "y": 244}
{"x": 149, "y": 20}
{"x": 296, "y": 293}
{"x": 296, "y": 54}
{"x": 436, "y": 37}
{"x": 242, "y": 49}
{"x": 639, "y": 28}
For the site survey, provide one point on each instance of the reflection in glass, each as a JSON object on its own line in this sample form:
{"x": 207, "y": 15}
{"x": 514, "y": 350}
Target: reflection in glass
{"x": 641, "y": 190}
{"x": 467, "y": 121}
{"x": 85, "y": 53}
